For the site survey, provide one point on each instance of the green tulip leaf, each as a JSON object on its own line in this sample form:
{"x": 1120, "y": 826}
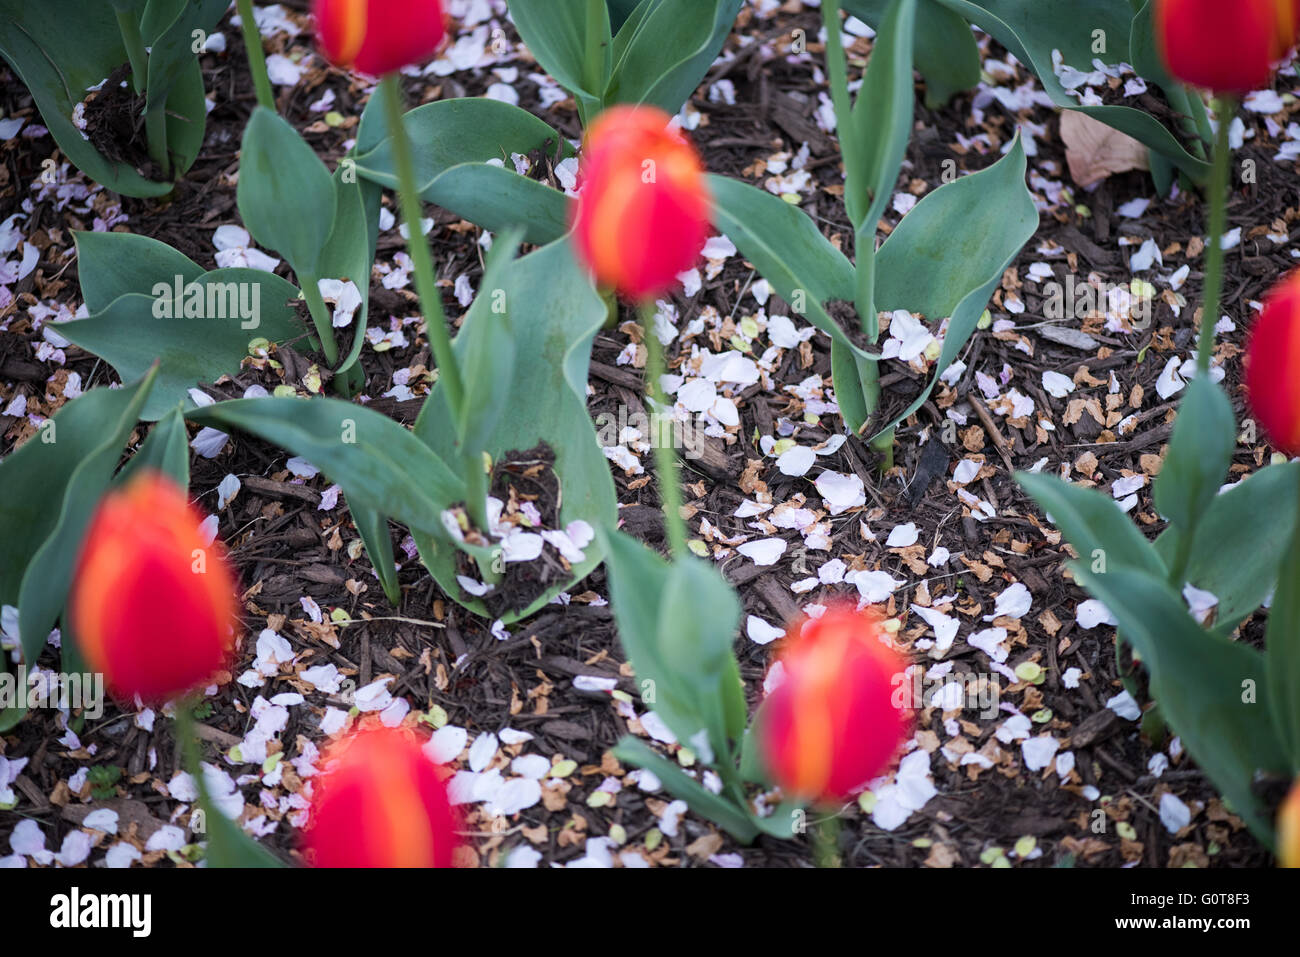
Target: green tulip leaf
{"x": 379, "y": 464}
{"x": 166, "y": 450}
{"x": 571, "y": 40}
{"x": 1198, "y": 457}
{"x": 135, "y": 330}
{"x": 664, "y": 50}
{"x": 945, "y": 51}
{"x": 948, "y": 254}
{"x": 1239, "y": 546}
{"x": 111, "y": 265}
{"x": 1212, "y": 691}
{"x": 455, "y": 143}
{"x": 1032, "y": 31}
{"x": 1096, "y": 527}
{"x": 1283, "y": 641}
{"x": 555, "y": 314}
{"x": 286, "y": 195}
{"x": 679, "y": 784}
{"x": 99, "y": 429}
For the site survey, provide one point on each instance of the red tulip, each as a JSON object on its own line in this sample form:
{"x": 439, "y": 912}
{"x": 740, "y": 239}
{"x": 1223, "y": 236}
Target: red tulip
{"x": 1273, "y": 366}
{"x": 380, "y": 803}
{"x": 152, "y": 604}
{"x": 832, "y": 724}
{"x": 1228, "y": 47}
{"x": 1288, "y": 829}
{"x": 378, "y": 36}
{"x": 643, "y": 212}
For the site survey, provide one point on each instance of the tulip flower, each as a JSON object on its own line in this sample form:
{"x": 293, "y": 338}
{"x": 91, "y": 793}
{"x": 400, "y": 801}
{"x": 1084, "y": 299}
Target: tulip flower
{"x": 152, "y": 603}
{"x": 1225, "y": 47}
{"x": 380, "y": 803}
{"x": 832, "y": 724}
{"x": 1288, "y": 829}
{"x": 643, "y": 212}
{"x": 1273, "y": 366}
{"x": 378, "y": 36}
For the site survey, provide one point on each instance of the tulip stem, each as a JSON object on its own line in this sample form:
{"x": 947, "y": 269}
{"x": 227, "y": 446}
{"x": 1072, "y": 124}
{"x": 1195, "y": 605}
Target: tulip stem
{"x": 129, "y": 27}
{"x": 321, "y": 318}
{"x": 670, "y": 492}
{"x": 408, "y": 195}
{"x": 256, "y": 55}
{"x": 1224, "y": 109}
{"x": 593, "y": 67}
{"x": 825, "y": 841}
{"x": 476, "y": 493}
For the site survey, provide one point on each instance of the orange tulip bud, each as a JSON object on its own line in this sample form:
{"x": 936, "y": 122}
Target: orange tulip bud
{"x": 378, "y": 36}
{"x": 1288, "y": 829}
{"x": 643, "y": 212}
{"x": 832, "y": 724}
{"x": 1225, "y": 47}
{"x": 380, "y": 803}
{"x": 152, "y": 604}
{"x": 1273, "y": 366}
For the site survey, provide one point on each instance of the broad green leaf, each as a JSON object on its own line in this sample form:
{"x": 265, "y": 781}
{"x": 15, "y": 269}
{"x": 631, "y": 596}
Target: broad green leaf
{"x": 1239, "y": 546}
{"x": 36, "y": 480}
{"x": 45, "y": 581}
{"x": 569, "y": 43}
{"x": 175, "y": 81}
{"x": 945, "y": 51}
{"x": 186, "y": 111}
{"x": 857, "y": 389}
{"x": 454, "y": 141}
{"x": 620, "y": 10}
{"x": 486, "y": 357}
{"x": 751, "y": 762}
{"x": 673, "y": 45}
{"x": 555, "y": 315}
{"x": 228, "y": 844}
{"x": 350, "y": 252}
{"x": 638, "y": 578}
{"x": 1200, "y": 452}
{"x": 372, "y": 526}
{"x": 1093, "y": 524}
{"x": 1032, "y": 31}
{"x": 379, "y": 464}
{"x": 133, "y": 331}
{"x": 679, "y": 784}
{"x": 1144, "y": 52}
{"x": 58, "y": 65}
{"x": 1212, "y": 691}
{"x": 154, "y": 16}
{"x": 110, "y": 265}
{"x": 166, "y": 450}
{"x": 948, "y": 254}
{"x": 875, "y": 136}
{"x": 781, "y": 822}
{"x": 1283, "y": 647}
{"x": 625, "y": 27}
{"x": 286, "y": 195}
{"x": 697, "y": 648}
{"x": 788, "y": 251}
